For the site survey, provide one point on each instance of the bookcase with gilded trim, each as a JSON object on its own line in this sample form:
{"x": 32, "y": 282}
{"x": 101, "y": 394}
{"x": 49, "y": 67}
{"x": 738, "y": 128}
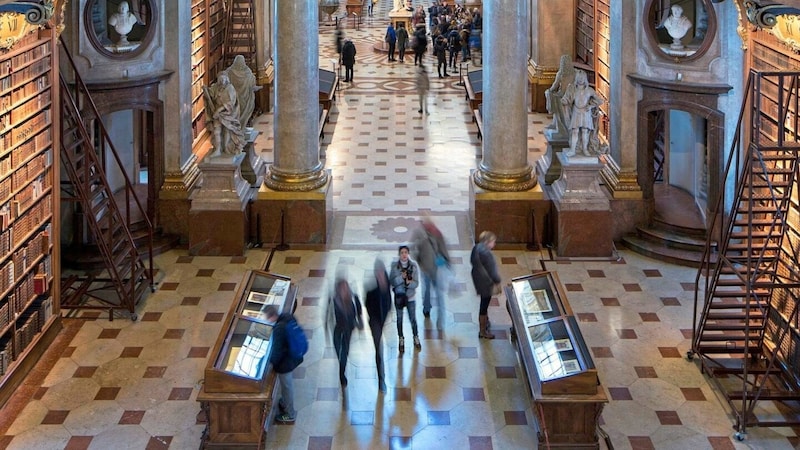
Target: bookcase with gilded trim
{"x": 208, "y": 39}
{"x": 29, "y": 268}
{"x": 592, "y": 48}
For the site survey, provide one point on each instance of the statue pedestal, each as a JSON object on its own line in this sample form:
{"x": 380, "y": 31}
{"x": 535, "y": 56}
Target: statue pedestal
{"x": 402, "y": 16}
{"x": 548, "y": 165}
{"x": 583, "y": 212}
{"x": 253, "y": 167}
{"x": 218, "y": 213}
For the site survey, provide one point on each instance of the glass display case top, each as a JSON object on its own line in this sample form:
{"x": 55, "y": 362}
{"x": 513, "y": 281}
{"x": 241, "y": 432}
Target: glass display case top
{"x": 248, "y": 349}
{"x": 536, "y": 300}
{"x": 553, "y": 351}
{"x": 265, "y": 289}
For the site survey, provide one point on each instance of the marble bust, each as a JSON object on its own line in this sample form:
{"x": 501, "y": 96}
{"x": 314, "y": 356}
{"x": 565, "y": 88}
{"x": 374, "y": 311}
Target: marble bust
{"x": 123, "y": 21}
{"x": 677, "y": 26}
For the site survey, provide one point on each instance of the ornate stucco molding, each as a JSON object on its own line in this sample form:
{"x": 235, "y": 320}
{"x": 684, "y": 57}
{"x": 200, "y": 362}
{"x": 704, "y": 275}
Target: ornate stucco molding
{"x": 36, "y": 13}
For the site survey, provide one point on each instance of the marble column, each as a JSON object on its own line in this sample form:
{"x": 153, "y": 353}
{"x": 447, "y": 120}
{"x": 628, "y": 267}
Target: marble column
{"x": 548, "y": 42}
{"x": 296, "y": 165}
{"x": 504, "y": 196}
{"x": 624, "y": 29}
{"x": 295, "y": 202}
{"x": 505, "y": 166}
{"x": 180, "y": 164}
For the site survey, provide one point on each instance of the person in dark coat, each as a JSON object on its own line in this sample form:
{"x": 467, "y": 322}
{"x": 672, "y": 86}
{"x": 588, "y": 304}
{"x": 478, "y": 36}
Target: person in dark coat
{"x": 345, "y": 307}
{"x": 378, "y": 303}
{"x": 282, "y": 362}
{"x": 440, "y": 50}
{"x": 391, "y": 39}
{"x": 348, "y": 59}
{"x": 420, "y": 44}
{"x": 484, "y": 277}
{"x": 402, "y": 41}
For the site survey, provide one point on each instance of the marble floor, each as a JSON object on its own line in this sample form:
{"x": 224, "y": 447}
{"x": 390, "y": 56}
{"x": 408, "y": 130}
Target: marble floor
{"x": 133, "y": 385}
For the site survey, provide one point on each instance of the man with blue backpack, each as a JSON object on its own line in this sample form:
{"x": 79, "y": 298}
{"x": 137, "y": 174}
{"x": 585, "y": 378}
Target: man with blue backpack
{"x": 289, "y": 344}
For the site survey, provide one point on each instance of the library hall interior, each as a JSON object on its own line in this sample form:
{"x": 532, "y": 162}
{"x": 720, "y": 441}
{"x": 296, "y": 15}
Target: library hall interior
{"x": 301, "y": 224}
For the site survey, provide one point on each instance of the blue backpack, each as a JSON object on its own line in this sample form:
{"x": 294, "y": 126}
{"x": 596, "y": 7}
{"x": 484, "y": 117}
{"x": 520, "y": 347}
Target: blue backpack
{"x": 298, "y": 343}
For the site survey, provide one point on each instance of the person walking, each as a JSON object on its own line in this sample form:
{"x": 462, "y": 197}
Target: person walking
{"x": 402, "y": 41}
{"x": 484, "y": 277}
{"x": 430, "y": 252}
{"x": 423, "y": 84}
{"x": 420, "y": 44}
{"x": 440, "y": 50}
{"x": 282, "y": 362}
{"x": 348, "y": 59}
{"x": 404, "y": 278}
{"x": 345, "y": 309}
{"x": 391, "y": 39}
{"x": 378, "y": 301}
{"x": 454, "y": 45}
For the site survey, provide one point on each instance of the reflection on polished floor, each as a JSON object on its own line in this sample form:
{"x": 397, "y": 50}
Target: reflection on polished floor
{"x": 134, "y": 385}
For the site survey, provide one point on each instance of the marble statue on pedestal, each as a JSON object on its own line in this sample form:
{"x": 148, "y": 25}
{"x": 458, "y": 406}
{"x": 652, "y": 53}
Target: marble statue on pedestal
{"x": 581, "y": 103}
{"x": 244, "y": 82}
{"x": 564, "y": 79}
{"x": 401, "y": 5}
{"x": 222, "y": 116}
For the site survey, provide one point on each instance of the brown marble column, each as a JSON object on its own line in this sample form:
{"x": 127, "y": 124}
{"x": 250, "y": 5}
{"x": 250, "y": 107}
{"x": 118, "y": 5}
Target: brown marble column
{"x": 505, "y": 164}
{"x": 296, "y": 165}
{"x": 620, "y": 175}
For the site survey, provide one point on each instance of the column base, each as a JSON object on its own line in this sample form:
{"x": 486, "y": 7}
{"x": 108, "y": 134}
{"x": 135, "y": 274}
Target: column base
{"x": 517, "y": 218}
{"x": 306, "y": 216}
{"x": 174, "y": 199}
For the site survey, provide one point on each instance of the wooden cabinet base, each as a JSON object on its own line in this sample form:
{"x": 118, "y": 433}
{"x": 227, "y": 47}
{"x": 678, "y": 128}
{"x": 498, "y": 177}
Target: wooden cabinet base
{"x": 235, "y": 421}
{"x": 568, "y": 424}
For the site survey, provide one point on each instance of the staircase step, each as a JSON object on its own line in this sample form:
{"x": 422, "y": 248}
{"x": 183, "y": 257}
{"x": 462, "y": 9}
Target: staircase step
{"x": 728, "y": 315}
{"x": 734, "y": 348}
{"x": 738, "y": 336}
{"x": 674, "y": 239}
{"x": 658, "y": 251}
{"x": 660, "y": 223}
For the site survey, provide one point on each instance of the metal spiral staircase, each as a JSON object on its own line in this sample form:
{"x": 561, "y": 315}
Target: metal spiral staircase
{"x": 123, "y": 281}
{"x": 748, "y": 333}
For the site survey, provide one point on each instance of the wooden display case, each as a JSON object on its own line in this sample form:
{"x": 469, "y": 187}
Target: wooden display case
{"x": 240, "y": 389}
{"x": 562, "y": 378}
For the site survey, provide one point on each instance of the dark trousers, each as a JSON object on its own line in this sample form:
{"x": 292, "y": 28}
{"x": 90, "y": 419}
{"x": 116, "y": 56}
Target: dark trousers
{"x": 442, "y": 62}
{"x": 376, "y": 328}
{"x": 453, "y": 58}
{"x": 348, "y": 72}
{"x": 412, "y": 317}
{"x": 391, "y": 50}
{"x": 402, "y": 52}
{"x": 341, "y": 343}
{"x": 418, "y": 57}
{"x": 484, "y": 305}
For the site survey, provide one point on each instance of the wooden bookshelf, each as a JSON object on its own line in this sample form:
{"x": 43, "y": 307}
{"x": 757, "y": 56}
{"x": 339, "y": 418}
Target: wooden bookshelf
{"x": 602, "y": 51}
{"x": 29, "y": 302}
{"x": 208, "y": 35}
{"x": 584, "y": 34}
